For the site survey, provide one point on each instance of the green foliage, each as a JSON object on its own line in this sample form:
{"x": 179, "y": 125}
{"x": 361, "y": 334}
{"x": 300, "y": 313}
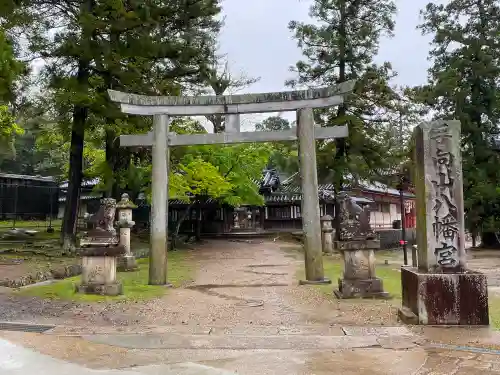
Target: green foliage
{"x": 463, "y": 84}
{"x": 284, "y": 155}
{"x": 11, "y": 69}
{"x": 147, "y": 47}
{"x": 225, "y": 173}
{"x": 273, "y": 123}
{"x": 198, "y": 178}
{"x": 8, "y": 131}
{"x": 55, "y": 145}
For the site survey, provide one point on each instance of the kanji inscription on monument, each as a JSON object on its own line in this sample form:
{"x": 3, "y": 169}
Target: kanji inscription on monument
{"x": 441, "y": 291}
{"x": 445, "y": 220}
{"x": 440, "y": 211}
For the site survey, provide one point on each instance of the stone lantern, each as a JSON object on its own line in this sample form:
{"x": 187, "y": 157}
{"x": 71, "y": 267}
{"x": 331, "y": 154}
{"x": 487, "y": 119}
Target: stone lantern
{"x": 127, "y": 261}
{"x": 327, "y": 234}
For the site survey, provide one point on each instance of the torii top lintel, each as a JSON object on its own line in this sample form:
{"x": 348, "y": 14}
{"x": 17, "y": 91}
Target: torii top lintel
{"x": 231, "y": 104}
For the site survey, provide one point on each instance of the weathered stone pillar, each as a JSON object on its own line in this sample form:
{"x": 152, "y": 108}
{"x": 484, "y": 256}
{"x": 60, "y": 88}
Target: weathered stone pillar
{"x": 441, "y": 290}
{"x": 125, "y": 223}
{"x": 99, "y": 271}
{"x": 310, "y": 200}
{"x": 327, "y": 234}
{"x": 359, "y": 279}
{"x": 159, "y": 204}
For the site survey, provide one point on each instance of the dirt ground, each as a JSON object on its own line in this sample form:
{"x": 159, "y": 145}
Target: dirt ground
{"x": 244, "y": 312}
{"x": 14, "y": 266}
{"x": 236, "y": 283}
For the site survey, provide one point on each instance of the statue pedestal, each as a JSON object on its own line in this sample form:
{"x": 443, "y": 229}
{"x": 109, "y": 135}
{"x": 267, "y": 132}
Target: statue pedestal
{"x": 359, "y": 280}
{"x": 99, "y": 271}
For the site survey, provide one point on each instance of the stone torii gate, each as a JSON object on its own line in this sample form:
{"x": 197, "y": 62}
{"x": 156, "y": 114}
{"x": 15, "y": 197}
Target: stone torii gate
{"x": 164, "y": 107}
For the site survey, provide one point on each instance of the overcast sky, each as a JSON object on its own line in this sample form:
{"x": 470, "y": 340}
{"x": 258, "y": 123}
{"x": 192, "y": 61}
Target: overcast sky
{"x": 257, "y": 42}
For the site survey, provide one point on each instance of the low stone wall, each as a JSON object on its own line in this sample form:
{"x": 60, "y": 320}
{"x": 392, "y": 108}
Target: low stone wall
{"x": 56, "y": 273}
{"x": 389, "y": 238}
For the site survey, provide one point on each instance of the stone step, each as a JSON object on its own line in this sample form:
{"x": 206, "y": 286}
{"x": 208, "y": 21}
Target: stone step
{"x": 247, "y": 342}
{"x": 251, "y": 330}
{"x": 16, "y": 360}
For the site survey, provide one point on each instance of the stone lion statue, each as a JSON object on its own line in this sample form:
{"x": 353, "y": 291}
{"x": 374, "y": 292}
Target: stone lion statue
{"x": 103, "y": 220}
{"x": 354, "y": 219}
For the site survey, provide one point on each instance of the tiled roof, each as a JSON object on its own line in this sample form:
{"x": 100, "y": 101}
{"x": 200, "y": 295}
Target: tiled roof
{"x": 26, "y": 177}
{"x": 84, "y": 197}
{"x": 378, "y": 187}
{"x": 179, "y": 201}
{"x": 85, "y": 183}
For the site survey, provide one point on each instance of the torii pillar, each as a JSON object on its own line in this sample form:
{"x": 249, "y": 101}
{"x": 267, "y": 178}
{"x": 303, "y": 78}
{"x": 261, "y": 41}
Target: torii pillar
{"x": 302, "y": 101}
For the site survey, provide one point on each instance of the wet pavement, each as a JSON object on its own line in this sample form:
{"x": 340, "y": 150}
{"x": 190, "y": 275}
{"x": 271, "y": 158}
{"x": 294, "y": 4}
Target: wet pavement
{"x": 243, "y": 313}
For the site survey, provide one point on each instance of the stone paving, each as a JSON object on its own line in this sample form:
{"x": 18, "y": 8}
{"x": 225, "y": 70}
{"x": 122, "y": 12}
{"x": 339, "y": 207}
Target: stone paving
{"x": 244, "y": 313}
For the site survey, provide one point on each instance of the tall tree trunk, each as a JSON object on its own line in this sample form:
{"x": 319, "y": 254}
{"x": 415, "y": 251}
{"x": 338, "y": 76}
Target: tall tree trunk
{"x": 340, "y": 143}
{"x": 80, "y": 113}
{"x": 198, "y": 222}
{"x": 175, "y": 235}
{"x": 117, "y": 159}
{"x": 109, "y": 137}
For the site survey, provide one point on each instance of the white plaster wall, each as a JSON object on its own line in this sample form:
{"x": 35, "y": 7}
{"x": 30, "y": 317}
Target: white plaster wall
{"x": 384, "y": 219}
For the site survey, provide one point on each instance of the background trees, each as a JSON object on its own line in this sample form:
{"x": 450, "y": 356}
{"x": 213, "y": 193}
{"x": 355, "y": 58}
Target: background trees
{"x": 463, "y": 84}
{"x": 59, "y": 121}
{"x": 340, "y": 45}
{"x": 89, "y": 46}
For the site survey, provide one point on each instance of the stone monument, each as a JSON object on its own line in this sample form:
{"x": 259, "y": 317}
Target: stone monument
{"x": 357, "y": 245}
{"x": 441, "y": 290}
{"x": 127, "y": 261}
{"x": 100, "y": 250}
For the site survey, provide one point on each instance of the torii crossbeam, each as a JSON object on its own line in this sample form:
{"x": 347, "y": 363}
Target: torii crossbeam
{"x": 164, "y": 107}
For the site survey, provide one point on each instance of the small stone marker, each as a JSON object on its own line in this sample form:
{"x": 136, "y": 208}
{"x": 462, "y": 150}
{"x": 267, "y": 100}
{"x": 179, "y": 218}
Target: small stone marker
{"x": 127, "y": 261}
{"x": 441, "y": 291}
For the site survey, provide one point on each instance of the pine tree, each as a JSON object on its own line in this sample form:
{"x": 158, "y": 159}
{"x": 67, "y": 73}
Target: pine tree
{"x": 149, "y": 47}
{"x": 463, "y": 84}
{"x": 11, "y": 70}
{"x": 340, "y": 46}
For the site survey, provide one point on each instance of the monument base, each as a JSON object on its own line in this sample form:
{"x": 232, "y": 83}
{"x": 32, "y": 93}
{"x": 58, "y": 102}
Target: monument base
{"x": 127, "y": 263}
{"x": 367, "y": 288}
{"x": 114, "y": 289}
{"x": 444, "y": 298}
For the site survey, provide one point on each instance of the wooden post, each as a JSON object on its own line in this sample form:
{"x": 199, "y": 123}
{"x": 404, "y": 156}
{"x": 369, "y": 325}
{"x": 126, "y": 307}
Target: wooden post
{"x": 310, "y": 201}
{"x": 159, "y": 203}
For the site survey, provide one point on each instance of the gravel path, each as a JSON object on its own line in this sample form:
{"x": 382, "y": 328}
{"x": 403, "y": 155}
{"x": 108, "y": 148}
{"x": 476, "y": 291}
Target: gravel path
{"x": 247, "y": 289}
{"x": 236, "y": 283}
